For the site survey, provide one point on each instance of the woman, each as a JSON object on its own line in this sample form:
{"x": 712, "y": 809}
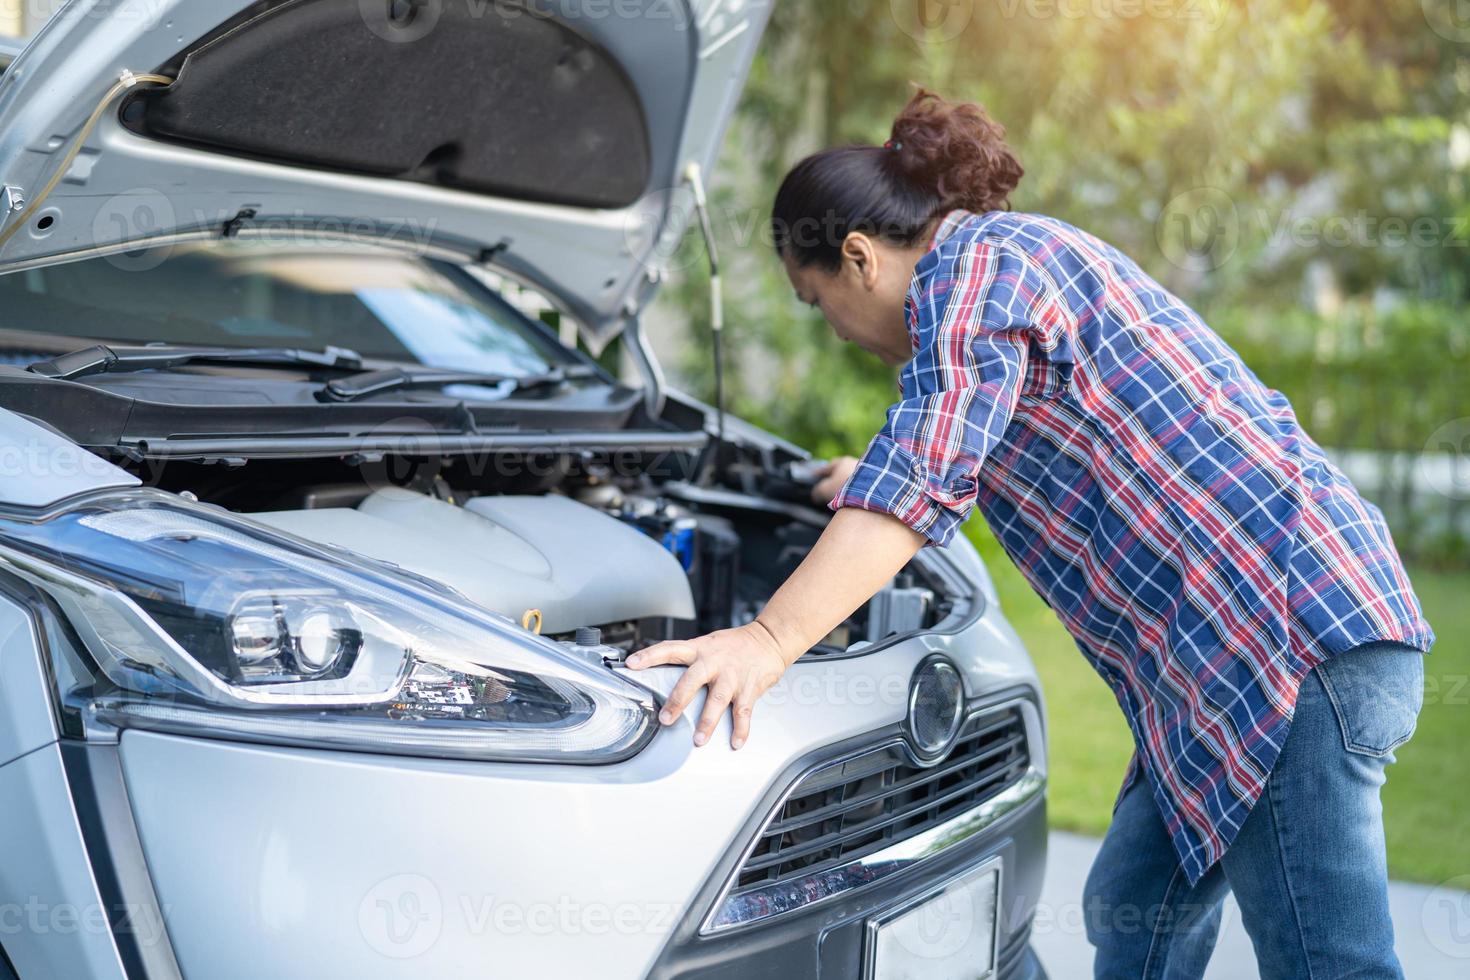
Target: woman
{"x": 1245, "y": 605}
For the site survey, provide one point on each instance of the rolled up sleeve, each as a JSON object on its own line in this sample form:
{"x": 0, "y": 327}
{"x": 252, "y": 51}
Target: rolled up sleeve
{"x": 972, "y": 308}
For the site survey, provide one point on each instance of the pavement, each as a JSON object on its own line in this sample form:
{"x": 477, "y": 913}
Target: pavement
{"x": 1431, "y": 923}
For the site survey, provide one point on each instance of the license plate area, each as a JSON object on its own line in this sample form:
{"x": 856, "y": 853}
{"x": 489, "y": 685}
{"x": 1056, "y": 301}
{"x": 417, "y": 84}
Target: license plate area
{"x": 948, "y": 933}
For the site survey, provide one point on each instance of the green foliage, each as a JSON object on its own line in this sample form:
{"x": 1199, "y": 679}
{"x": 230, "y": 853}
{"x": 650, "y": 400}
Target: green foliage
{"x": 1362, "y": 379}
{"x": 1298, "y": 170}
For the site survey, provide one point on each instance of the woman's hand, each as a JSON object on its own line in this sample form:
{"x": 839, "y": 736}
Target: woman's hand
{"x": 832, "y": 475}
{"x": 737, "y": 665}
{"x": 856, "y": 555}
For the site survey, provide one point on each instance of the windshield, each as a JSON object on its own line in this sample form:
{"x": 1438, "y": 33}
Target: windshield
{"x": 237, "y": 294}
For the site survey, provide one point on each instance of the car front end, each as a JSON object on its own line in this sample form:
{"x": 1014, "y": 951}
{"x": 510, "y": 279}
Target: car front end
{"x": 382, "y": 830}
{"x": 320, "y": 561}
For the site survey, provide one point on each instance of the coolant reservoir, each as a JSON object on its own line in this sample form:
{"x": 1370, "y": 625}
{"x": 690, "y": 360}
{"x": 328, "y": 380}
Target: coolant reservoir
{"x": 573, "y": 562}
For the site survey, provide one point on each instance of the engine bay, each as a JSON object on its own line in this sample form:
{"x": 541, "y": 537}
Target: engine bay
{"x": 637, "y": 558}
{"x": 648, "y": 524}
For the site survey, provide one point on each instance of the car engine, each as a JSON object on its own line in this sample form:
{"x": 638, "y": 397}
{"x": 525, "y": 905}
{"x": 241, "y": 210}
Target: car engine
{"x": 672, "y": 562}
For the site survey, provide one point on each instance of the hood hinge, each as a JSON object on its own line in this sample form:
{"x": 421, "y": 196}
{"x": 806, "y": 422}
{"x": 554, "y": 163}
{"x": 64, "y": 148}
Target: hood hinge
{"x": 12, "y": 201}
{"x": 646, "y": 363}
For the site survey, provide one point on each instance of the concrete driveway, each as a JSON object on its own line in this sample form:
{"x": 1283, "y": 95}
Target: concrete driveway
{"x": 1431, "y": 925}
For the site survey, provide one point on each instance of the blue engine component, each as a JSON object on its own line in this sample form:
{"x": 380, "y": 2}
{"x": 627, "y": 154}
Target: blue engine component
{"x": 707, "y": 547}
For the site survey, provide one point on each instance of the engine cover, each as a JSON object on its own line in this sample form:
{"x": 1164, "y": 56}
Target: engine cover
{"x": 576, "y": 564}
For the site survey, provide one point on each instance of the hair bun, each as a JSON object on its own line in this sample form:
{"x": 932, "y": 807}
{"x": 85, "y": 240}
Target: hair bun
{"x": 957, "y": 150}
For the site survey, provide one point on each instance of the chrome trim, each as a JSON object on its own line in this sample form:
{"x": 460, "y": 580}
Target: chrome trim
{"x": 870, "y": 944}
{"x": 896, "y": 857}
{"x": 899, "y": 856}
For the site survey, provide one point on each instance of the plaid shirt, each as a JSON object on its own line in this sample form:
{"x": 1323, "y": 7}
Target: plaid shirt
{"x": 1195, "y": 542}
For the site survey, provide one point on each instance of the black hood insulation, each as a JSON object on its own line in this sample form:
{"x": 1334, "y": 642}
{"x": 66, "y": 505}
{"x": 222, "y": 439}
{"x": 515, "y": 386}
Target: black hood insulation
{"x": 480, "y": 95}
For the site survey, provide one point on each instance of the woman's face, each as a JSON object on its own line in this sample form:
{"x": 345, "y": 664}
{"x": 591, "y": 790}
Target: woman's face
{"x": 863, "y": 299}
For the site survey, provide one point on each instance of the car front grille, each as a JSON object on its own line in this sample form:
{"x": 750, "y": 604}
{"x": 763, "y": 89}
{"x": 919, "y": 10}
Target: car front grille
{"x": 842, "y": 813}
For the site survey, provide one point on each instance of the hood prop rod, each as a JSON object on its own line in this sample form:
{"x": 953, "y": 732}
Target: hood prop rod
{"x": 694, "y": 177}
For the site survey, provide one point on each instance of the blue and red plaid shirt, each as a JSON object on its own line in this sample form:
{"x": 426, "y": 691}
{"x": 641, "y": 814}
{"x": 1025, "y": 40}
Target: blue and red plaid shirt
{"x": 1196, "y": 543}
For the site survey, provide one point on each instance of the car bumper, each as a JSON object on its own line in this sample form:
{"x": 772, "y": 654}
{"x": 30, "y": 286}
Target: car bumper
{"x": 828, "y": 940}
{"x": 284, "y": 862}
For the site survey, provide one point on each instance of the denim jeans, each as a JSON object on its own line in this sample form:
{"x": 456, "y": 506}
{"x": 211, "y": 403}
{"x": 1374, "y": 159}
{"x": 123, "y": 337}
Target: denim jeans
{"x": 1307, "y": 868}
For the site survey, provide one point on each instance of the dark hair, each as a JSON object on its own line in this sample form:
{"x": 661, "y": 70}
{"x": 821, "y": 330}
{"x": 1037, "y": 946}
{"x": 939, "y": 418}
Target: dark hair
{"x": 941, "y": 156}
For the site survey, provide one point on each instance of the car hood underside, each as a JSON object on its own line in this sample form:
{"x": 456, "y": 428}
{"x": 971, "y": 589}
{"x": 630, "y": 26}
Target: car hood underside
{"x": 550, "y": 137}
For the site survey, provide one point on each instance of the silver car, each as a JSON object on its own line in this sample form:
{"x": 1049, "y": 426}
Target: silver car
{"x": 320, "y": 558}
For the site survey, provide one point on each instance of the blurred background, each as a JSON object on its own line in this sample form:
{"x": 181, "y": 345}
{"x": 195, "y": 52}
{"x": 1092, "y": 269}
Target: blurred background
{"x": 1297, "y": 170}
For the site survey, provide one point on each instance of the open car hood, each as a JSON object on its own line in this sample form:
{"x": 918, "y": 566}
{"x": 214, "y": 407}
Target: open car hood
{"x": 546, "y": 137}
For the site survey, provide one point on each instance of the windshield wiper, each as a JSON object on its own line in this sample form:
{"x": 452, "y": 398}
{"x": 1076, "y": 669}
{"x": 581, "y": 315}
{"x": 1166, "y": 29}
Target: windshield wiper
{"x": 101, "y": 359}
{"x": 372, "y": 383}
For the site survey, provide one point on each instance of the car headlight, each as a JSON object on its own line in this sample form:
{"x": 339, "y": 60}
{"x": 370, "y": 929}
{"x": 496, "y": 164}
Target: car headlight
{"x": 201, "y": 622}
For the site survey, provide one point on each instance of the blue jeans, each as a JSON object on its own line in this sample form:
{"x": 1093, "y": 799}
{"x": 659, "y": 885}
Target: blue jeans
{"x": 1308, "y": 867}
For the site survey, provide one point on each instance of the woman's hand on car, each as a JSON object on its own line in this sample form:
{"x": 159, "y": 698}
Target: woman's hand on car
{"x": 831, "y": 476}
{"x": 856, "y": 555}
{"x": 737, "y": 665}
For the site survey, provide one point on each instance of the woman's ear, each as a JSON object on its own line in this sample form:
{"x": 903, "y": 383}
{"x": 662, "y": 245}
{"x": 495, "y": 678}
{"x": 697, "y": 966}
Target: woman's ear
{"x": 861, "y": 257}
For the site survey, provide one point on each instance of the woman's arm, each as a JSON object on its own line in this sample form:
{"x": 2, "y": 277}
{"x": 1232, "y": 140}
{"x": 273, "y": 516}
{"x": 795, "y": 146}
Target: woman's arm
{"x": 858, "y": 553}
{"x": 976, "y": 305}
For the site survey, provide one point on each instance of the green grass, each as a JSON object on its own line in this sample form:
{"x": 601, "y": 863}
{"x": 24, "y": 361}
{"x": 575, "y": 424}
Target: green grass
{"x": 1426, "y": 801}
